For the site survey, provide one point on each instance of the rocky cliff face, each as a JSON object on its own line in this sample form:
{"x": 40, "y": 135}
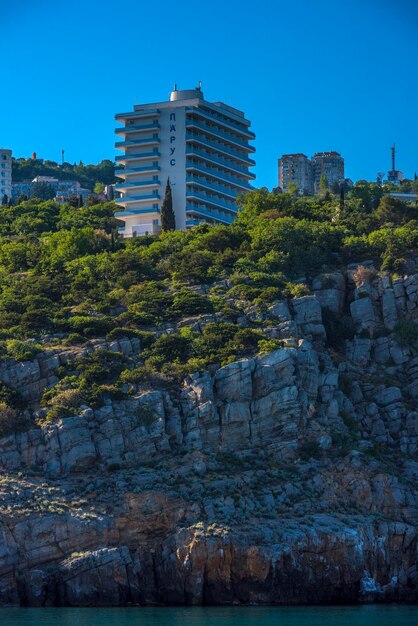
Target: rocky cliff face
{"x": 286, "y": 478}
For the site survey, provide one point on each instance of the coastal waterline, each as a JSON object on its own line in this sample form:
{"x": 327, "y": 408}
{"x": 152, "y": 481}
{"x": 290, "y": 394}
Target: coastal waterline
{"x": 366, "y": 615}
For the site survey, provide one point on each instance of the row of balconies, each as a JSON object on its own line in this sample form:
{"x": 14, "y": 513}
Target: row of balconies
{"x": 212, "y": 158}
{"x": 210, "y": 199}
{"x": 148, "y": 141}
{"x": 141, "y": 156}
{"x": 216, "y": 132}
{"x": 137, "y": 128}
{"x": 212, "y": 186}
{"x": 227, "y": 123}
{"x": 218, "y": 174}
{"x": 208, "y": 213}
{"x": 219, "y": 147}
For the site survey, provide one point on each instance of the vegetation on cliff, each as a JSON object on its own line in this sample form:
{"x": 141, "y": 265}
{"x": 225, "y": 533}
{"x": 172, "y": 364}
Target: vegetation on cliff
{"x": 67, "y": 278}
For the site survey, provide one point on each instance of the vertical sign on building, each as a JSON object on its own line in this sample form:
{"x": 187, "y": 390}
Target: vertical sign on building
{"x": 172, "y": 139}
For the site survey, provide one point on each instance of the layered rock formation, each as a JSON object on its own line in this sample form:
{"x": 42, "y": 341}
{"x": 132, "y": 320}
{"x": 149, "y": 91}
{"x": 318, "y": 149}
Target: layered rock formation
{"x": 290, "y": 477}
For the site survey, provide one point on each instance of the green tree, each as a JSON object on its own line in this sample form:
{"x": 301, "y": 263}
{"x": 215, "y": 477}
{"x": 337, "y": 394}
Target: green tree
{"x": 5, "y": 200}
{"x": 73, "y": 201}
{"x": 99, "y": 188}
{"x": 22, "y": 198}
{"x": 342, "y": 196}
{"x": 395, "y": 211}
{"x": 293, "y": 189}
{"x": 323, "y": 183}
{"x": 168, "y": 219}
{"x": 43, "y": 191}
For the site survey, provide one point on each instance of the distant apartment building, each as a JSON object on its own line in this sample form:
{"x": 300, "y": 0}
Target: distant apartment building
{"x": 306, "y": 173}
{"x": 328, "y": 164}
{"x": 201, "y": 147}
{"x": 296, "y": 169}
{"x": 5, "y": 173}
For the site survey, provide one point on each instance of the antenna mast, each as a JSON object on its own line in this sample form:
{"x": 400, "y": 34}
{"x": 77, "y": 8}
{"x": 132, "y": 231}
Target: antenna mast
{"x": 393, "y": 150}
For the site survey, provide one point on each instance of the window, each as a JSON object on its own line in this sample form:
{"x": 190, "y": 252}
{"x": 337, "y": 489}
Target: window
{"x": 155, "y": 222}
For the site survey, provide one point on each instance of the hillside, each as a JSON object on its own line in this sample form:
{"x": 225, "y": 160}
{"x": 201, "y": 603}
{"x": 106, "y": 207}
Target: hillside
{"x": 224, "y": 415}
{"x": 86, "y": 175}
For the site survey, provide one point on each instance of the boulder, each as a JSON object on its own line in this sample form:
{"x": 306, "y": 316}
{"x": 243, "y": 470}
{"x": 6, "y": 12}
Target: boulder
{"x": 330, "y": 291}
{"x": 362, "y": 313}
{"x": 233, "y": 382}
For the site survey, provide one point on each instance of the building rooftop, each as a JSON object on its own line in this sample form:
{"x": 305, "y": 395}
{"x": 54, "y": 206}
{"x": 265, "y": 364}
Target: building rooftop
{"x": 325, "y": 154}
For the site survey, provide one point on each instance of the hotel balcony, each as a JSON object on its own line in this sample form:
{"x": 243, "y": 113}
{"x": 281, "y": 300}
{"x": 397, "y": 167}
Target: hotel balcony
{"x": 136, "y": 128}
{"x": 218, "y": 148}
{"x": 136, "y": 199}
{"x": 213, "y": 200}
{"x": 203, "y": 211}
{"x": 219, "y": 175}
{"x": 219, "y": 119}
{"x": 121, "y": 215}
{"x": 141, "y": 230}
{"x": 211, "y": 158}
{"x": 135, "y": 143}
{"x": 217, "y": 188}
{"x": 148, "y": 169}
{"x": 216, "y": 132}
{"x": 139, "y": 184}
{"x": 141, "y": 156}
{"x": 122, "y": 117}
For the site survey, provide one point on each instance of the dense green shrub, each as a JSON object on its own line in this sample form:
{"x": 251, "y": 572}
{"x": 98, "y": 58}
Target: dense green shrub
{"x": 20, "y": 351}
{"x": 121, "y": 332}
{"x": 74, "y": 339}
{"x": 91, "y": 326}
{"x": 168, "y": 348}
{"x": 187, "y": 302}
{"x": 11, "y": 420}
{"x": 101, "y": 366}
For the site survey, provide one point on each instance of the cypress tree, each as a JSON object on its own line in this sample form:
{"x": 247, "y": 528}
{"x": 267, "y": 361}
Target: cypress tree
{"x": 5, "y": 200}
{"x": 342, "y": 196}
{"x": 168, "y": 219}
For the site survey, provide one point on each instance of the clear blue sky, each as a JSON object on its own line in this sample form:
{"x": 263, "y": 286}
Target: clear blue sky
{"x": 312, "y": 75}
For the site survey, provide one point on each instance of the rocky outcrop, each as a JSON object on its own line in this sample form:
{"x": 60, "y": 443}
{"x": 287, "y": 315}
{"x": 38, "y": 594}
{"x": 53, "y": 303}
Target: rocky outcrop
{"x": 31, "y": 378}
{"x": 288, "y": 477}
{"x": 320, "y": 561}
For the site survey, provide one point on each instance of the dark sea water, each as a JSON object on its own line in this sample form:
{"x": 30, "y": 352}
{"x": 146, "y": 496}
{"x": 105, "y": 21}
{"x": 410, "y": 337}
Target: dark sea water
{"x": 371, "y": 615}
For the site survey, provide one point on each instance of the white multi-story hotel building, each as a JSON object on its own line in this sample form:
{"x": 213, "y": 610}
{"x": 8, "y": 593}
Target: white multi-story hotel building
{"x": 5, "y": 173}
{"x": 202, "y": 147}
